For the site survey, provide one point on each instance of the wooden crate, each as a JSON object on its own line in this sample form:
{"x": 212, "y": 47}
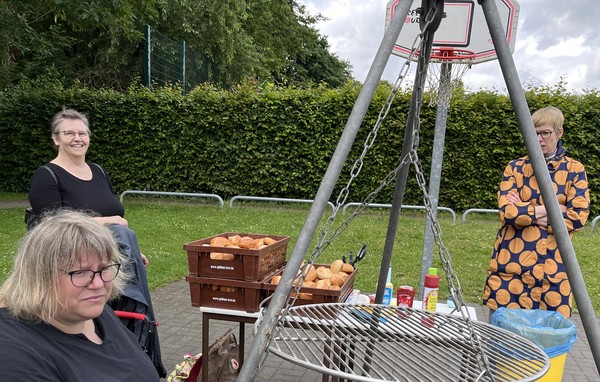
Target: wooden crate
{"x": 247, "y": 265}
{"x": 225, "y": 294}
{"x": 319, "y": 296}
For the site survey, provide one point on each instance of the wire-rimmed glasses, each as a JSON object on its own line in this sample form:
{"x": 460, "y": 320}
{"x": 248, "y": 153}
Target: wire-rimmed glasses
{"x": 70, "y": 134}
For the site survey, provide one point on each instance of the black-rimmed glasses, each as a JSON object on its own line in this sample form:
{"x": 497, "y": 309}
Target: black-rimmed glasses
{"x": 72, "y": 134}
{"x": 83, "y": 278}
{"x": 544, "y": 133}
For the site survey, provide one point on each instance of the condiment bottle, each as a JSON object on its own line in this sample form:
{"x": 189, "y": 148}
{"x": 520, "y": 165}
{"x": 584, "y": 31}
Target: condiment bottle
{"x": 405, "y": 296}
{"x": 430, "y": 290}
{"x": 389, "y": 287}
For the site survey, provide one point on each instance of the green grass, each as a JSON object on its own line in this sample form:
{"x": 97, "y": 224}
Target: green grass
{"x": 4, "y": 196}
{"x": 164, "y": 225}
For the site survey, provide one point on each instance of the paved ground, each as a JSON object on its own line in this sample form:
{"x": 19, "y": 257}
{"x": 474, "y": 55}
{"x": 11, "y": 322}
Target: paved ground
{"x": 180, "y": 331}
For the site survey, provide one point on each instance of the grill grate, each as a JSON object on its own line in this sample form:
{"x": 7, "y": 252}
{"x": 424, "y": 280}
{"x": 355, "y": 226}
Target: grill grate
{"x": 388, "y": 343}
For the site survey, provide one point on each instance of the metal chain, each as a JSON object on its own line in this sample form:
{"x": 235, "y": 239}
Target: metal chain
{"x": 445, "y": 257}
{"x": 452, "y": 278}
{"x": 324, "y": 240}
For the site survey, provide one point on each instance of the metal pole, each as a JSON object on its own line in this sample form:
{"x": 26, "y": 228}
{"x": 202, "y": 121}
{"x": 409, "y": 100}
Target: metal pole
{"x": 534, "y": 150}
{"x": 411, "y": 121}
{"x": 437, "y": 158}
{"x": 182, "y": 65}
{"x": 279, "y": 298}
{"x": 147, "y": 51}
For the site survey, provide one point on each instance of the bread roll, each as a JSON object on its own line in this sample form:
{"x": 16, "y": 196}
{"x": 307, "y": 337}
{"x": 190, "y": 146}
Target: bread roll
{"x": 219, "y": 241}
{"x": 269, "y": 240}
{"x": 335, "y": 287}
{"x": 305, "y": 296}
{"x": 275, "y": 280}
{"x": 228, "y": 256}
{"x": 324, "y": 273}
{"x": 336, "y": 279}
{"x": 235, "y": 239}
{"x": 259, "y": 243}
{"x": 323, "y": 284}
{"x": 312, "y": 274}
{"x": 247, "y": 242}
{"x": 344, "y": 275}
{"x": 336, "y": 266}
{"x": 217, "y": 256}
{"x": 348, "y": 268}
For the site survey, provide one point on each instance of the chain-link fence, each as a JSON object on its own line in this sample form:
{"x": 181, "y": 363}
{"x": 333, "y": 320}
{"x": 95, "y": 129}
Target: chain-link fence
{"x": 167, "y": 61}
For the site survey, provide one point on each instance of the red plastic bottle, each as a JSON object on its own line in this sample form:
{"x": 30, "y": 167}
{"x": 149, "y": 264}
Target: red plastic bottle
{"x": 430, "y": 290}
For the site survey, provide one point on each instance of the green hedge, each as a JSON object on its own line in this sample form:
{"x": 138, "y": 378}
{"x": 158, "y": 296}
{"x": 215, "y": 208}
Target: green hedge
{"x": 267, "y": 141}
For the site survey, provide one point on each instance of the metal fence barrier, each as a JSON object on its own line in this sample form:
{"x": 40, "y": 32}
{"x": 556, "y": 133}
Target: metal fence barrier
{"x": 267, "y": 199}
{"x": 310, "y": 201}
{"x": 210, "y": 196}
{"x": 481, "y": 210}
{"x": 405, "y": 207}
{"x": 594, "y": 222}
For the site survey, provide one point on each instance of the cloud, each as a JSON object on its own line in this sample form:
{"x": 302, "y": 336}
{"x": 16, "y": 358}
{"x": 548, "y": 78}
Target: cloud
{"x": 555, "y": 40}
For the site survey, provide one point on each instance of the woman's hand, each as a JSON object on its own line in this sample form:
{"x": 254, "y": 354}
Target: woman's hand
{"x": 513, "y": 197}
{"x": 542, "y": 219}
{"x": 108, "y": 220}
{"x": 541, "y": 215}
{"x": 144, "y": 260}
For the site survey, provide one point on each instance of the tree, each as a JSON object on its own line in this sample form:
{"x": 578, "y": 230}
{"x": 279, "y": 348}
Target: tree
{"x": 269, "y": 40}
{"x": 100, "y": 43}
{"x": 298, "y": 54}
{"x": 95, "y": 42}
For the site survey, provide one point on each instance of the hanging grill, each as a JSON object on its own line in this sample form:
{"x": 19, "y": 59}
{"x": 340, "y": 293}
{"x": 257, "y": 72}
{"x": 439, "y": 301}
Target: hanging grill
{"x": 385, "y": 343}
{"x": 389, "y": 343}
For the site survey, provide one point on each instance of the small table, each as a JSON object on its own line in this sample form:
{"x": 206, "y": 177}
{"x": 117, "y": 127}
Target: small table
{"x": 240, "y": 316}
{"x": 444, "y": 308}
{"x": 244, "y": 317}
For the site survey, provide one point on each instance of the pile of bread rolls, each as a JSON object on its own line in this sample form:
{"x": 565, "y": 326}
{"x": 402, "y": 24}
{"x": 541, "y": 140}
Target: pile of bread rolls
{"x": 237, "y": 241}
{"x": 322, "y": 277}
{"x": 223, "y": 288}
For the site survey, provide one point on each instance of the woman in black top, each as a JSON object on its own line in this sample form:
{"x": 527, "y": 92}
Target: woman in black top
{"x": 68, "y": 180}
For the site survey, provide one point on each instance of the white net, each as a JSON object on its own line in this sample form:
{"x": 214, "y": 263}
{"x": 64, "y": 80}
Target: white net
{"x": 446, "y": 68}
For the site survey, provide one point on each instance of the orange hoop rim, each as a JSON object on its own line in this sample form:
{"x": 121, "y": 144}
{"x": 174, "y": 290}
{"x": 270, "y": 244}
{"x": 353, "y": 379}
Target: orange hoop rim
{"x": 451, "y": 54}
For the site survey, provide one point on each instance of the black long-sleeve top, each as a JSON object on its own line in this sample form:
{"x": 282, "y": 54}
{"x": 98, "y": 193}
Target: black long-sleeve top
{"x": 96, "y": 194}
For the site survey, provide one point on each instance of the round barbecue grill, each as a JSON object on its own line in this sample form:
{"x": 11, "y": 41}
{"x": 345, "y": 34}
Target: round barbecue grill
{"x": 389, "y": 343}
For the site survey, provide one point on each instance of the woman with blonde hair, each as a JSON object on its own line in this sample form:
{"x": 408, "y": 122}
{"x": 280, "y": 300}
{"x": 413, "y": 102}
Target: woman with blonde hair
{"x": 55, "y": 324}
{"x": 526, "y": 269}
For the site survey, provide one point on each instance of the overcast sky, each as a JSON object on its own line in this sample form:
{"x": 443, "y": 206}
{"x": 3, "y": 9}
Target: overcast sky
{"x": 555, "y": 38}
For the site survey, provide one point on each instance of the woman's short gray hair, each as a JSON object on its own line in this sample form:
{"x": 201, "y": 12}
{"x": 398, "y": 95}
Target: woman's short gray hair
{"x": 68, "y": 114}
{"x": 58, "y": 242}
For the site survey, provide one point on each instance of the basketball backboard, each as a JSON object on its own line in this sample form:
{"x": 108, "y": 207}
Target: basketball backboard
{"x": 463, "y": 27}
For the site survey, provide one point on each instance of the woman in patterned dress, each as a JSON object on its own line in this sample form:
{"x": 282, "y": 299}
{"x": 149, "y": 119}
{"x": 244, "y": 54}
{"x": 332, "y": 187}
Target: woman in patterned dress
{"x": 526, "y": 270}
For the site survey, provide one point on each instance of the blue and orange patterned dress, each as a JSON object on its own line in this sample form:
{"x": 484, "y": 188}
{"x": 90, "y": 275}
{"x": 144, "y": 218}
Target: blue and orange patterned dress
{"x": 526, "y": 270}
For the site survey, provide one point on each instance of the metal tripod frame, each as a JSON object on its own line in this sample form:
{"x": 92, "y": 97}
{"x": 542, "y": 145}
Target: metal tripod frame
{"x": 259, "y": 346}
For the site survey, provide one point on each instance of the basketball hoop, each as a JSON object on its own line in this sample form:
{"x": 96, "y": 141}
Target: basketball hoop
{"x": 447, "y": 67}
